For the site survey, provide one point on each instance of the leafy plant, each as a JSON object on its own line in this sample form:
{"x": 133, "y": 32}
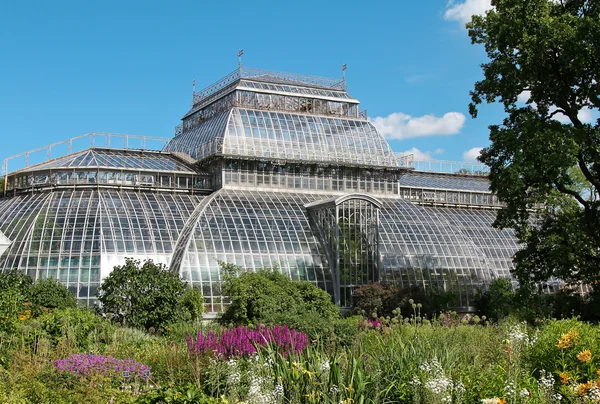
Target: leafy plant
{"x": 50, "y": 294}
{"x": 270, "y": 298}
{"x": 142, "y": 295}
{"x": 544, "y": 158}
{"x": 498, "y": 300}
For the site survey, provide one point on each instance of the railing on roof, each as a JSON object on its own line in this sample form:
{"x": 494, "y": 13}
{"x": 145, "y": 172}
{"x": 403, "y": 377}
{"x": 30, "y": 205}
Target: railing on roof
{"x": 270, "y": 76}
{"x": 406, "y": 160}
{"x": 79, "y": 143}
{"x": 442, "y": 166}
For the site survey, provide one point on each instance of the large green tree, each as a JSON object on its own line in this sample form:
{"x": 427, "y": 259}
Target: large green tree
{"x": 544, "y": 68}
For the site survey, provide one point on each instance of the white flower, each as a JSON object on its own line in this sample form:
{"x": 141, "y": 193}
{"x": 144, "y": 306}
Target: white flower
{"x": 594, "y": 393}
{"x": 510, "y": 389}
{"x": 278, "y": 390}
{"x": 524, "y": 393}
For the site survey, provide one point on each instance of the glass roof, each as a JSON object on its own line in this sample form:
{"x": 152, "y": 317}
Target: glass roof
{"x": 111, "y": 158}
{"x": 442, "y": 181}
{"x": 296, "y": 90}
{"x": 286, "y": 136}
{"x": 267, "y": 134}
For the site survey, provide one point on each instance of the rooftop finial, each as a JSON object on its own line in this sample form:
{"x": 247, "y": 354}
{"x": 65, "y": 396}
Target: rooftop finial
{"x": 344, "y": 67}
{"x": 194, "y": 87}
{"x": 240, "y": 53}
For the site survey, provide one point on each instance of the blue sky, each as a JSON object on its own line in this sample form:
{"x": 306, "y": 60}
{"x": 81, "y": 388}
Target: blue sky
{"x": 72, "y": 67}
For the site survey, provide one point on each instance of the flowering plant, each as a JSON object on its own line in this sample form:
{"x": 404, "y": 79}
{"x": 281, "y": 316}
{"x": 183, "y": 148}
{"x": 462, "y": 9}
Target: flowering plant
{"x": 89, "y": 364}
{"x": 243, "y": 341}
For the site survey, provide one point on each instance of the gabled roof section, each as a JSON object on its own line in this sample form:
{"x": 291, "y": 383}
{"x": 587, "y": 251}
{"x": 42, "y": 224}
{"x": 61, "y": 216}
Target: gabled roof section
{"x": 95, "y": 158}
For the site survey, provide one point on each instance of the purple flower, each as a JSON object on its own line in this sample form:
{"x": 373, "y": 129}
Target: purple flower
{"x": 375, "y": 324}
{"x": 241, "y": 341}
{"x": 88, "y": 364}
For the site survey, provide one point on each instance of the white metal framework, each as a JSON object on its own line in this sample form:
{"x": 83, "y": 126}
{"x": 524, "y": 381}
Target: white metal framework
{"x": 266, "y": 170}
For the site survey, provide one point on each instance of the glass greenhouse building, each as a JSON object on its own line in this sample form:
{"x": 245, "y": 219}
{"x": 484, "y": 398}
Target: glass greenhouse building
{"x": 267, "y": 169}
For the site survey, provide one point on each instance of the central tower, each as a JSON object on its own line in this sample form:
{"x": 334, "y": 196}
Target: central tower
{"x": 271, "y": 131}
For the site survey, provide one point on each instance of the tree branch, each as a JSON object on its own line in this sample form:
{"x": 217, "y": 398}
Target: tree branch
{"x": 574, "y": 194}
{"x": 557, "y": 111}
{"x": 586, "y": 172}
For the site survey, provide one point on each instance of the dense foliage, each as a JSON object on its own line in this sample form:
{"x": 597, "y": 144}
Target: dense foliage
{"x": 269, "y": 297}
{"x": 72, "y": 355}
{"x": 21, "y": 298}
{"x": 384, "y": 300}
{"x": 545, "y": 156}
{"x": 147, "y": 296}
{"x": 501, "y": 300}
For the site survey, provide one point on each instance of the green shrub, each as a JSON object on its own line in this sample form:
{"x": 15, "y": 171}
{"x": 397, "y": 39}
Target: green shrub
{"x": 21, "y": 298}
{"x": 268, "y": 297}
{"x": 381, "y": 300}
{"x": 346, "y": 330}
{"x": 79, "y": 327}
{"x": 14, "y": 294}
{"x": 193, "y": 302}
{"x": 50, "y": 294}
{"x": 498, "y": 301}
{"x": 142, "y": 296}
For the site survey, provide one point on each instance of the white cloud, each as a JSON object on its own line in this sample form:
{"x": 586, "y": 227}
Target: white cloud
{"x": 402, "y": 126}
{"x": 439, "y": 150}
{"x": 472, "y": 154}
{"x": 524, "y": 97}
{"x": 585, "y": 115}
{"x": 417, "y": 154}
{"x": 462, "y": 12}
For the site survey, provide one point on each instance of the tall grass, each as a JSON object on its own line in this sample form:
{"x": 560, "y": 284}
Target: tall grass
{"x": 394, "y": 362}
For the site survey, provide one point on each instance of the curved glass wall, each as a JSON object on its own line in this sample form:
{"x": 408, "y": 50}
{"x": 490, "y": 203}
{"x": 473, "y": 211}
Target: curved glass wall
{"x": 275, "y": 135}
{"x": 499, "y": 246}
{"x": 78, "y": 236}
{"x": 417, "y": 246}
{"x": 253, "y": 230}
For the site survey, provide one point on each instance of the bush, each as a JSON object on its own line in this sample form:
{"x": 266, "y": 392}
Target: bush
{"x": 142, "y": 296}
{"x": 270, "y": 298}
{"x": 498, "y": 301}
{"x": 193, "y": 302}
{"x": 376, "y": 299}
{"x": 50, "y": 294}
{"x": 76, "y": 326}
{"x": 21, "y": 298}
{"x": 346, "y": 330}
{"x": 381, "y": 299}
